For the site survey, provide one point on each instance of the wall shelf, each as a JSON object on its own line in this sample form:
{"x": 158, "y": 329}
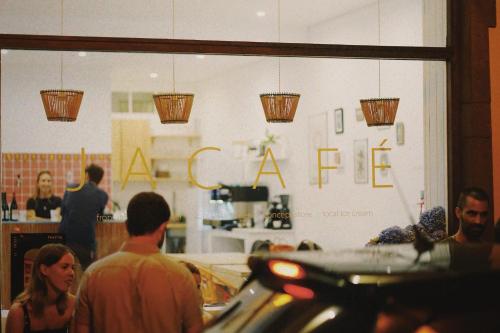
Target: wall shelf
{"x": 171, "y": 157}
{"x": 171, "y": 153}
{"x": 269, "y": 159}
{"x": 176, "y": 136}
{"x": 170, "y": 179}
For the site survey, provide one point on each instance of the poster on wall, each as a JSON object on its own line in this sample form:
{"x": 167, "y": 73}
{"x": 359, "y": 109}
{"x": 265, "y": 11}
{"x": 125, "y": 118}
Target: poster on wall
{"x": 360, "y": 152}
{"x": 400, "y": 133}
{"x": 339, "y": 121}
{"x": 359, "y": 114}
{"x": 318, "y": 138}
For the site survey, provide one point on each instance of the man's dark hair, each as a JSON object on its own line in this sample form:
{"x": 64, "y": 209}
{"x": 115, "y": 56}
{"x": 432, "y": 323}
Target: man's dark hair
{"x": 95, "y": 173}
{"x": 146, "y": 211}
{"x": 473, "y": 192}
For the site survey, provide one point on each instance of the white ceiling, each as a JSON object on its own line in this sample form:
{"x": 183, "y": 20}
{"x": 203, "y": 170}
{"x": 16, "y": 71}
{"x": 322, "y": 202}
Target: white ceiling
{"x": 194, "y": 19}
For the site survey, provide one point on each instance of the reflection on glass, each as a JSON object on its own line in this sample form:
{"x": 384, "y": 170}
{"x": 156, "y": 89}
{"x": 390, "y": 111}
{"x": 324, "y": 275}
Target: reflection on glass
{"x": 404, "y": 22}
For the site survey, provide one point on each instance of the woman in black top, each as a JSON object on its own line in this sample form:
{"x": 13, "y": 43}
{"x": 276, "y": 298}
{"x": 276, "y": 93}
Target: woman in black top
{"x": 43, "y": 201}
{"x": 45, "y": 306}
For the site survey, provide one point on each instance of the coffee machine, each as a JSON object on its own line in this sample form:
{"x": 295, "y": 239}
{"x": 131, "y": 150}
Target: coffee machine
{"x": 248, "y": 206}
{"x": 220, "y": 211}
{"x": 278, "y": 216}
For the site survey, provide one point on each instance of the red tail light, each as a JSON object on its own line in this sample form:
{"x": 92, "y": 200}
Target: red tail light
{"x": 286, "y": 269}
{"x": 298, "y": 291}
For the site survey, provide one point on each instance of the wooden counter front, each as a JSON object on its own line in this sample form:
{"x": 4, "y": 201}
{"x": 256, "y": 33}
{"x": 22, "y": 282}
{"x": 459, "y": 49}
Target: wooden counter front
{"x": 109, "y": 237}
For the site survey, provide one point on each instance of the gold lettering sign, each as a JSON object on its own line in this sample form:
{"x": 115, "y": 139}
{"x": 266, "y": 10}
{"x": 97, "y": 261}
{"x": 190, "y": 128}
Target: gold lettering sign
{"x": 276, "y": 172}
{"x": 192, "y": 179}
{"x": 320, "y": 165}
{"x": 146, "y": 172}
{"x": 382, "y": 166}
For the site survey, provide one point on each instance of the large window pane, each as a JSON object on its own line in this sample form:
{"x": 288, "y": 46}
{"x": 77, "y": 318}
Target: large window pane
{"x": 227, "y": 113}
{"x": 400, "y": 22}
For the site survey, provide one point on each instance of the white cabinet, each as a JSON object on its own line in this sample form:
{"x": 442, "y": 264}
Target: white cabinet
{"x": 241, "y": 240}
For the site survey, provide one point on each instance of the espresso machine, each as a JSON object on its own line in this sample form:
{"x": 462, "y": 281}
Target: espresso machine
{"x": 247, "y": 207}
{"x": 220, "y": 211}
{"x": 278, "y": 216}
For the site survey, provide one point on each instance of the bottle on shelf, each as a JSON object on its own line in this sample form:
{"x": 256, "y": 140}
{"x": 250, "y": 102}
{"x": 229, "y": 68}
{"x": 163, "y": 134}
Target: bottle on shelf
{"x": 14, "y": 212}
{"x": 273, "y": 220}
{"x": 285, "y": 212}
{"x": 5, "y": 207}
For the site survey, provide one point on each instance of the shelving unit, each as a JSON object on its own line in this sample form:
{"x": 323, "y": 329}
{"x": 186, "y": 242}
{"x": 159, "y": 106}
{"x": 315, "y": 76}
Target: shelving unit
{"x": 269, "y": 159}
{"x": 170, "y": 154}
{"x": 127, "y": 136}
{"x": 166, "y": 157}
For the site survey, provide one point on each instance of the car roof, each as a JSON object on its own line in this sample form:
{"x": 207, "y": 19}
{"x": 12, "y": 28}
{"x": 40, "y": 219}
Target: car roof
{"x": 389, "y": 264}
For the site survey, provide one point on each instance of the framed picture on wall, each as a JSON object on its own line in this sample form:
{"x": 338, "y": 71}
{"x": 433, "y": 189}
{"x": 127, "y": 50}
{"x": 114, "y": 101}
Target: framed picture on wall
{"x": 318, "y": 138}
{"x": 360, "y": 152}
{"x": 339, "y": 121}
{"x": 400, "y": 133}
{"x": 359, "y": 114}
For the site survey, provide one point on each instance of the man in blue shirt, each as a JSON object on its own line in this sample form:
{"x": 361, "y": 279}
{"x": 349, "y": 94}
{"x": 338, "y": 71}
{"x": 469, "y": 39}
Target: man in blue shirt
{"x": 79, "y": 212}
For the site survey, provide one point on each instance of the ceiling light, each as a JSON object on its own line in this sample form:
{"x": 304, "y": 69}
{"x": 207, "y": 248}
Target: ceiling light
{"x": 5, "y": 51}
{"x": 279, "y": 107}
{"x": 173, "y": 107}
{"x": 200, "y": 56}
{"x": 379, "y": 111}
{"x": 261, "y": 14}
{"x": 82, "y": 54}
{"x": 61, "y": 104}
{"x": 153, "y": 75}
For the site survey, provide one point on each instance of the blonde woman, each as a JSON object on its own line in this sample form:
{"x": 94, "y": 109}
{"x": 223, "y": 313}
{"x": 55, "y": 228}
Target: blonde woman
{"x": 40, "y": 205}
{"x": 46, "y": 306}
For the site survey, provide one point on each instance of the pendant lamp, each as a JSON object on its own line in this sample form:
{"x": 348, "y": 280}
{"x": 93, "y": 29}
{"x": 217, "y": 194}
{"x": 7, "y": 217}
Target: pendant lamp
{"x": 279, "y": 107}
{"x": 379, "y": 111}
{"x": 61, "y": 104}
{"x": 173, "y": 107}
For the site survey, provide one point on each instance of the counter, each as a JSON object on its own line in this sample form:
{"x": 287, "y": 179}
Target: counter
{"x": 109, "y": 235}
{"x": 228, "y": 270}
{"x": 242, "y": 239}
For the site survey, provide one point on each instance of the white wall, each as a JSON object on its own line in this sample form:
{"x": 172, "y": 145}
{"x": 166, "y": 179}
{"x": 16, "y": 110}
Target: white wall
{"x": 228, "y": 109}
{"x": 232, "y": 111}
{"x": 24, "y": 125}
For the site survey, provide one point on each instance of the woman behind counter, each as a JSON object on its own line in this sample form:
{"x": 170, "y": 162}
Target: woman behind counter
{"x": 40, "y": 205}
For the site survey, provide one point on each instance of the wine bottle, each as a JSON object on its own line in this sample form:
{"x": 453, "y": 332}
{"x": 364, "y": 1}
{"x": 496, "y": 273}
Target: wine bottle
{"x": 5, "y": 206}
{"x": 14, "y": 212}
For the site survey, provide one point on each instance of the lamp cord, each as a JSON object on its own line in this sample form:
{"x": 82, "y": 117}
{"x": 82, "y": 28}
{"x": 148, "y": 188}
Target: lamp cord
{"x": 422, "y": 242}
{"x": 378, "y": 15}
{"x": 61, "y": 59}
{"x": 173, "y": 36}
{"x": 279, "y": 41}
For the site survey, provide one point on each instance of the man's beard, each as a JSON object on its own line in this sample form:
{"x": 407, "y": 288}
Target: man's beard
{"x": 472, "y": 231}
{"x": 160, "y": 243}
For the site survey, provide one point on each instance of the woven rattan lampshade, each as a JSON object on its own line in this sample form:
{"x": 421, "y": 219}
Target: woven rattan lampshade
{"x": 61, "y": 105}
{"x": 279, "y": 107}
{"x": 174, "y": 108}
{"x": 379, "y": 111}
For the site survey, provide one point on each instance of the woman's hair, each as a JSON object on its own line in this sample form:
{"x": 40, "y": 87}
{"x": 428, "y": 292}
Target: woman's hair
{"x": 37, "y": 190}
{"x": 192, "y": 268}
{"x": 36, "y": 292}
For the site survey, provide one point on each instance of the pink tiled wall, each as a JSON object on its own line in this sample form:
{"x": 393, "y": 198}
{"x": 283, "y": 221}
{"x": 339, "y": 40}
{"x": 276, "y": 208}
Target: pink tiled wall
{"x": 19, "y": 172}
